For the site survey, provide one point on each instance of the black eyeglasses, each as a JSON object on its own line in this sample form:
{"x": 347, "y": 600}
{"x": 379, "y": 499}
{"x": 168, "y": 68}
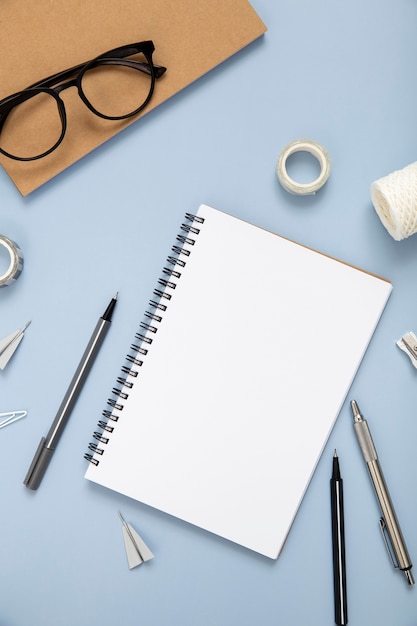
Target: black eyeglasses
{"x": 33, "y": 121}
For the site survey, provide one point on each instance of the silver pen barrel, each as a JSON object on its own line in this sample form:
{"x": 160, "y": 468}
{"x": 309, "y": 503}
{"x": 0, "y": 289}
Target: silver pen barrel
{"x": 390, "y": 520}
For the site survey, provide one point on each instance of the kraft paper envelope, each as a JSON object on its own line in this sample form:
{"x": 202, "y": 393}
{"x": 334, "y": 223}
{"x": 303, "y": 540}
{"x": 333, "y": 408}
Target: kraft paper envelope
{"x": 39, "y": 39}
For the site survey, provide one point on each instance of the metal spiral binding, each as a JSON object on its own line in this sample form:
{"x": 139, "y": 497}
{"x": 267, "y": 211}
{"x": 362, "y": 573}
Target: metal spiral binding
{"x": 168, "y": 283}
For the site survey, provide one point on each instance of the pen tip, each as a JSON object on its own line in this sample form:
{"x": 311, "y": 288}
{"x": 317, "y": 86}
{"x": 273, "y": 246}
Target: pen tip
{"x": 355, "y": 408}
{"x": 116, "y": 295}
{"x": 335, "y": 453}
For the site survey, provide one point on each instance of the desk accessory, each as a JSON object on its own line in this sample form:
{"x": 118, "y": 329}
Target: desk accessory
{"x": 191, "y": 38}
{"x": 48, "y": 444}
{"x": 98, "y": 82}
{"x": 9, "y": 344}
{"x": 390, "y": 527}
{"x": 408, "y": 344}
{"x": 319, "y": 152}
{"x": 16, "y": 261}
{"x": 137, "y": 551}
{"x": 232, "y": 373}
{"x": 10, "y": 417}
{"x": 395, "y": 201}
{"x": 338, "y": 543}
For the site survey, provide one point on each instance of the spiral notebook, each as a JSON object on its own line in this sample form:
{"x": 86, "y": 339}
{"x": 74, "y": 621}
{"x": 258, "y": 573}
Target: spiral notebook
{"x": 235, "y": 378}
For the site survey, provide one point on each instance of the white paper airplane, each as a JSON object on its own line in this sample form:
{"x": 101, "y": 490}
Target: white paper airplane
{"x": 137, "y": 551}
{"x": 9, "y": 344}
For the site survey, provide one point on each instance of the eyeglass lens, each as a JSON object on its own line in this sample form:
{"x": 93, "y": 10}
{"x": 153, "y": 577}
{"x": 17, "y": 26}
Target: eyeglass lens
{"x": 113, "y": 91}
{"x": 32, "y": 127}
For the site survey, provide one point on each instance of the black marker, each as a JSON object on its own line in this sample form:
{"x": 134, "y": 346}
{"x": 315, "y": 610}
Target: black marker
{"x": 48, "y": 444}
{"x": 338, "y": 535}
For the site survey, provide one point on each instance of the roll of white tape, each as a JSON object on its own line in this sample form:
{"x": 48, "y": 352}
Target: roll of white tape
{"x": 314, "y": 148}
{"x": 16, "y": 262}
{"x": 395, "y": 201}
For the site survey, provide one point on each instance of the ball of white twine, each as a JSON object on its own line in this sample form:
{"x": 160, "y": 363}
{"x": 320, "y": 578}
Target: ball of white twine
{"x": 395, "y": 200}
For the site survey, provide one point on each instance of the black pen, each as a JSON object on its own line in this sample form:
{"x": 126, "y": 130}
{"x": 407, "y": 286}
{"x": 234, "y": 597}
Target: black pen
{"x": 48, "y": 444}
{"x": 338, "y": 536}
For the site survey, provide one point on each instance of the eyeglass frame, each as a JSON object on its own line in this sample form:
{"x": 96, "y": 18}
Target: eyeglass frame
{"x": 116, "y": 56}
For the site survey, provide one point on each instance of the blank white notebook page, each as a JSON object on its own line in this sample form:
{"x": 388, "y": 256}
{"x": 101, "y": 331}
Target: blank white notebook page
{"x": 241, "y": 385}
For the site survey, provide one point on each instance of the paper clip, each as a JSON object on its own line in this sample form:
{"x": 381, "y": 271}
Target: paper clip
{"x": 408, "y": 344}
{"x": 10, "y": 417}
{"x": 387, "y": 541}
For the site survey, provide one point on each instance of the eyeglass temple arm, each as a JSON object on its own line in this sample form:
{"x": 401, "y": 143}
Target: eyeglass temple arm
{"x": 121, "y": 53}
{"x": 66, "y": 74}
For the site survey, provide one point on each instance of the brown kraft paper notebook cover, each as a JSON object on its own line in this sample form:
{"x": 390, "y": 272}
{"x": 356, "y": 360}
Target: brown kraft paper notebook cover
{"x": 191, "y": 37}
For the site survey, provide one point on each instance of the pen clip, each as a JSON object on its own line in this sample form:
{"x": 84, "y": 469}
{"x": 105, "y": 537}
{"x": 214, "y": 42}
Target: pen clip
{"x": 10, "y": 417}
{"x": 387, "y": 541}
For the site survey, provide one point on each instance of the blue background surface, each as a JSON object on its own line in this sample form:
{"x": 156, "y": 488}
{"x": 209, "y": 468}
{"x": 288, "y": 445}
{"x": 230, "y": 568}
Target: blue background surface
{"x": 342, "y": 73}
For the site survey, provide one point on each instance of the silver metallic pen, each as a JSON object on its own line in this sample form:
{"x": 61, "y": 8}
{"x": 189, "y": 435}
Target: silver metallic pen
{"x": 389, "y": 524}
{"x": 48, "y": 444}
